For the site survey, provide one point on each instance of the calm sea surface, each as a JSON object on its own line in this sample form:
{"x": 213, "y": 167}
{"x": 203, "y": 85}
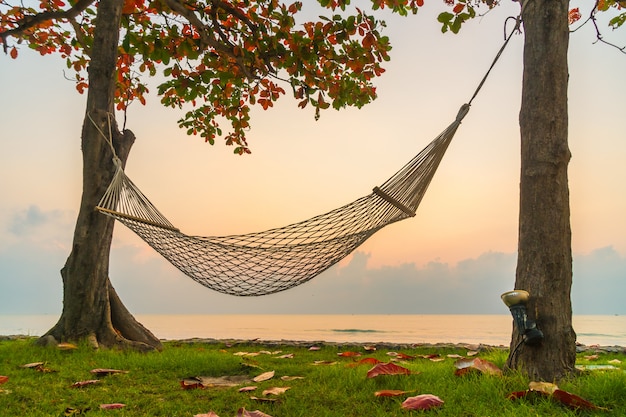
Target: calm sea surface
{"x": 488, "y": 329}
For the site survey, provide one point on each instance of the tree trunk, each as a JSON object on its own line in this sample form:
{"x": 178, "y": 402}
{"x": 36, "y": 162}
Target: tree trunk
{"x": 544, "y": 266}
{"x": 91, "y": 307}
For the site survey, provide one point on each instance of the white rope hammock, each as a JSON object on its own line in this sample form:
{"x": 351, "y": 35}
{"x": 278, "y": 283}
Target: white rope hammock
{"x": 277, "y": 259}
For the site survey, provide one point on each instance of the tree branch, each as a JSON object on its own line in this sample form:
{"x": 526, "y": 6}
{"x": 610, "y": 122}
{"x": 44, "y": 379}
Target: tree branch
{"x": 29, "y": 22}
{"x": 592, "y": 18}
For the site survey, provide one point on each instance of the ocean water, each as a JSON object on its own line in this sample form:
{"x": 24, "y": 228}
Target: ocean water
{"x": 486, "y": 329}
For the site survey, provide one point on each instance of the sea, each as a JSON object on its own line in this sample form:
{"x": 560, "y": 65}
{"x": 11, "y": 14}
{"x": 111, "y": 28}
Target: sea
{"x": 603, "y": 330}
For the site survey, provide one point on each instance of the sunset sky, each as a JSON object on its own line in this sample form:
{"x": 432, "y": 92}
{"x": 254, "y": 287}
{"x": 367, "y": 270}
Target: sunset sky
{"x": 456, "y": 256}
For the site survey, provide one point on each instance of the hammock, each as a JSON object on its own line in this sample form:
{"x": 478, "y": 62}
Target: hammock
{"x": 278, "y": 259}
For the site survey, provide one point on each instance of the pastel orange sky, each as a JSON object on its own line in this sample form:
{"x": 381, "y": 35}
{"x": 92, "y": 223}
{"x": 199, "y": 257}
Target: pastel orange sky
{"x": 300, "y": 168}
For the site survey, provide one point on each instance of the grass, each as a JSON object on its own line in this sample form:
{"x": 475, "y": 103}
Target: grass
{"x": 152, "y": 385}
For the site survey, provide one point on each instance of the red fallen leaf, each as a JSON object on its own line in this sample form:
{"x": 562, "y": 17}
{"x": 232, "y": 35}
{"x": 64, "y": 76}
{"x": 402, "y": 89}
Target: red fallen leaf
{"x": 574, "y": 401}
{"x": 422, "y": 402}
{"x": 404, "y": 356}
{"x": 113, "y": 406}
{"x": 465, "y": 365}
{"x": 3, "y": 379}
{"x": 430, "y": 356}
{"x": 81, "y": 384}
{"x": 349, "y": 354}
{"x": 390, "y": 393}
{"x": 387, "y": 369}
{"x": 368, "y": 361}
{"x": 105, "y": 372}
{"x": 242, "y": 412}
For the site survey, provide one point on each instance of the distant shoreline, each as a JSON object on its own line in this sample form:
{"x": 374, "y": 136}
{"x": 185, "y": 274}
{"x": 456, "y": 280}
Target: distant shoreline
{"x": 378, "y": 345}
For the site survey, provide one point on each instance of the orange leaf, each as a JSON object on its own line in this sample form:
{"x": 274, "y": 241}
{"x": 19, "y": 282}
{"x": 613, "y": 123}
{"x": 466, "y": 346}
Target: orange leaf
{"x": 191, "y": 383}
{"x": 368, "y": 361}
{"x": 458, "y": 8}
{"x": 422, "y": 402}
{"x": 463, "y": 366}
{"x": 3, "y": 379}
{"x": 14, "y": 52}
{"x": 387, "y": 369}
{"x": 349, "y": 354}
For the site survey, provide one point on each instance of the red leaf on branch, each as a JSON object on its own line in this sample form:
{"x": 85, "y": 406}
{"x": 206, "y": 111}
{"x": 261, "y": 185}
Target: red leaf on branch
{"x": 387, "y": 369}
{"x": 422, "y": 402}
{"x": 13, "y": 52}
{"x": 458, "y": 8}
{"x": 574, "y": 16}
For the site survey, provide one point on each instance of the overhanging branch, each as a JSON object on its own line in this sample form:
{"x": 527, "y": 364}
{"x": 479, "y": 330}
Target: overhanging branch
{"x": 29, "y": 22}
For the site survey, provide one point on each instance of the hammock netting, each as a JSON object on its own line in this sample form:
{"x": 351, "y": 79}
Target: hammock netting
{"x": 275, "y": 260}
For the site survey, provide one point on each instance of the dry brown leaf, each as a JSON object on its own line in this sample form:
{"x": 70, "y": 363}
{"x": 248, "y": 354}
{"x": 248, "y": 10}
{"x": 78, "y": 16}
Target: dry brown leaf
{"x": 3, "y": 379}
{"x": 286, "y": 356}
{"x": 369, "y": 348}
{"x": 314, "y": 348}
{"x": 248, "y": 388}
{"x": 264, "y": 376}
{"x": 466, "y": 365}
{"x": 290, "y": 378}
{"x": 455, "y": 356}
{"x": 615, "y": 361}
{"x": 472, "y": 353}
{"x": 67, "y": 346}
{"x": 32, "y": 365}
{"x": 349, "y": 354}
{"x": 209, "y": 414}
{"x": 105, "y": 372}
{"x": 390, "y": 393}
{"x": 225, "y": 381}
{"x": 81, "y": 384}
{"x": 591, "y": 357}
{"x": 242, "y": 412}
{"x": 275, "y": 390}
{"x": 264, "y": 400}
{"x": 545, "y": 387}
{"x": 324, "y": 363}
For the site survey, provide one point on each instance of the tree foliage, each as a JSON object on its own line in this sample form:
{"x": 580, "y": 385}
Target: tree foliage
{"x": 215, "y": 59}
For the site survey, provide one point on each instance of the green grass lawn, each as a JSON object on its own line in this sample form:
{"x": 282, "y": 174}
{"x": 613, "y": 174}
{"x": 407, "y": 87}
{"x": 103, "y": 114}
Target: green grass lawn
{"x": 330, "y": 384}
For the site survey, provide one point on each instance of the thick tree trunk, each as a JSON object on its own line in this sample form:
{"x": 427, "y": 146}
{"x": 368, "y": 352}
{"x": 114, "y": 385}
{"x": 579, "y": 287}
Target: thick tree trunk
{"x": 544, "y": 267}
{"x": 91, "y": 307}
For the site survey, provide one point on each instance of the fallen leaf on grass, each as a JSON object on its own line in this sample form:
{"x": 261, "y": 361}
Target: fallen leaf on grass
{"x": 387, "y": 369}
{"x": 37, "y": 366}
{"x": 324, "y": 363}
{"x": 264, "y": 376}
{"x": 349, "y": 354}
{"x": 286, "y": 356}
{"x": 209, "y": 414}
{"x": 404, "y": 356}
{"x": 81, "y": 384}
{"x": 275, "y": 390}
{"x": 591, "y": 357}
{"x": 248, "y": 389}
{"x": 191, "y": 383}
{"x": 368, "y": 361}
{"x": 3, "y": 379}
{"x": 546, "y": 389}
{"x": 615, "y": 361}
{"x": 464, "y": 366}
{"x": 113, "y": 406}
{"x": 71, "y": 411}
{"x": 314, "y": 348}
{"x": 369, "y": 348}
{"x": 67, "y": 346}
{"x": 290, "y": 378}
{"x": 422, "y": 402}
{"x": 105, "y": 372}
{"x": 472, "y": 353}
{"x": 390, "y": 393}
{"x": 455, "y": 356}
{"x": 264, "y": 400}
{"x": 242, "y": 412}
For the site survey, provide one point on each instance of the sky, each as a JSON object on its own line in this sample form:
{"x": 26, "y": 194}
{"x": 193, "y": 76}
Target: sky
{"x": 455, "y": 257}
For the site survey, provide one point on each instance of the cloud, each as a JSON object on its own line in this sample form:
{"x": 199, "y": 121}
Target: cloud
{"x": 31, "y": 284}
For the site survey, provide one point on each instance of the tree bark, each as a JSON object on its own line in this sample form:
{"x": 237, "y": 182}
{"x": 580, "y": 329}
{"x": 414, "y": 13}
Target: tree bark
{"x": 91, "y": 307}
{"x": 544, "y": 266}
